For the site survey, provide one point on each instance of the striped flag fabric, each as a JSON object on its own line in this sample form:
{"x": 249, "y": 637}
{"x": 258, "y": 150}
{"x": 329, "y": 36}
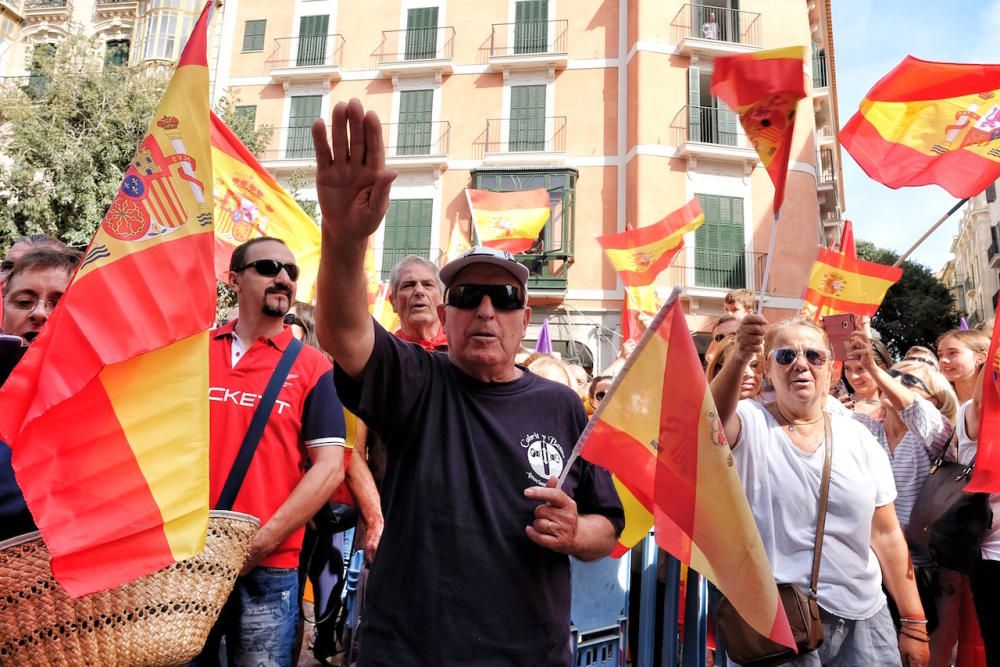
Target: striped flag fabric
{"x": 986, "y": 476}
{"x": 107, "y": 414}
{"x": 840, "y": 283}
{"x": 658, "y": 433}
{"x": 509, "y": 220}
{"x": 930, "y": 123}
{"x": 764, "y": 88}
{"x": 249, "y": 203}
{"x": 458, "y": 242}
{"x": 639, "y": 255}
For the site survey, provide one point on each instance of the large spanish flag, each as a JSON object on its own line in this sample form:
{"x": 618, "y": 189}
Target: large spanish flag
{"x": 639, "y": 255}
{"x": 658, "y": 434}
{"x": 107, "y": 414}
{"x": 840, "y": 283}
{"x": 509, "y": 220}
{"x": 250, "y": 203}
{"x": 986, "y": 477}
{"x": 928, "y": 122}
{"x": 764, "y": 88}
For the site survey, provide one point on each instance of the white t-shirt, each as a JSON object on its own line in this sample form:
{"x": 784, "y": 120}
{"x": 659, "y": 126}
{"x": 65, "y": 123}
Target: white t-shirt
{"x": 966, "y": 451}
{"x": 782, "y": 484}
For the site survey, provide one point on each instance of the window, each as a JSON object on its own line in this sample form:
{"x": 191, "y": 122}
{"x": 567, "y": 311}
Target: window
{"x": 305, "y": 110}
{"x": 527, "y": 118}
{"x": 820, "y": 76}
{"x": 116, "y": 52}
{"x": 312, "y": 41}
{"x": 253, "y": 35}
{"x": 719, "y": 256}
{"x": 41, "y": 65}
{"x": 709, "y": 120}
{"x": 414, "y": 135}
{"x": 547, "y": 259}
{"x": 991, "y": 193}
{"x": 421, "y": 33}
{"x": 407, "y": 231}
{"x": 531, "y": 26}
{"x": 248, "y": 111}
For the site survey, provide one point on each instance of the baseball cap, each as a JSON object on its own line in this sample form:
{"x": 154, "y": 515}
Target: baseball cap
{"x": 483, "y": 255}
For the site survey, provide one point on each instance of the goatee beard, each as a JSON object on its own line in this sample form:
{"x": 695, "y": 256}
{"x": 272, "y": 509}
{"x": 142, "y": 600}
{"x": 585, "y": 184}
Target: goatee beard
{"x": 273, "y": 312}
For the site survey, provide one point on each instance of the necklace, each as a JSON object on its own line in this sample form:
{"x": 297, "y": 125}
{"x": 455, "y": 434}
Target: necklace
{"x": 792, "y": 423}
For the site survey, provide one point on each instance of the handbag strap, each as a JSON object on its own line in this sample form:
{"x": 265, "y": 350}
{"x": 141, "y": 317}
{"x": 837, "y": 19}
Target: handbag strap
{"x": 824, "y": 497}
{"x": 241, "y": 465}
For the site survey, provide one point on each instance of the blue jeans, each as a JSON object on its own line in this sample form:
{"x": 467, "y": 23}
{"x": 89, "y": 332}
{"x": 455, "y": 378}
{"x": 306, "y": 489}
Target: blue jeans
{"x": 259, "y": 621}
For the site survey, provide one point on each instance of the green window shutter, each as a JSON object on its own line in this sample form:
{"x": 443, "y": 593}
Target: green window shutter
{"x": 253, "y": 35}
{"x": 248, "y": 111}
{"x": 531, "y": 27}
{"x": 727, "y": 134}
{"x": 304, "y": 111}
{"x": 421, "y": 33}
{"x": 415, "y": 110}
{"x": 694, "y": 104}
{"x": 720, "y": 259}
{"x": 312, "y": 40}
{"x": 527, "y": 118}
{"x": 116, "y": 52}
{"x": 407, "y": 231}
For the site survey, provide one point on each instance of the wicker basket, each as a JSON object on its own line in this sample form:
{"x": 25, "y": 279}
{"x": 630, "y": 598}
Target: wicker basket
{"x": 160, "y": 619}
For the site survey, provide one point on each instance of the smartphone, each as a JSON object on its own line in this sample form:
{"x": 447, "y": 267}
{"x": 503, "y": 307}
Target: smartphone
{"x": 12, "y": 348}
{"x": 839, "y": 329}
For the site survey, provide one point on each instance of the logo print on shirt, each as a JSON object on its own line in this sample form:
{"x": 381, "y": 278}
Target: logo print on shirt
{"x": 545, "y": 456}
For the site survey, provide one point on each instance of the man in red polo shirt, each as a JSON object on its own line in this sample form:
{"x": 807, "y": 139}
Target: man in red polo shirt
{"x": 306, "y": 425}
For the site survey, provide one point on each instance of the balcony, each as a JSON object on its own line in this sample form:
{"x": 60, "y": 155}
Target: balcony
{"x": 716, "y": 31}
{"x": 417, "y": 145}
{"x": 528, "y": 141}
{"x": 712, "y": 272}
{"x": 416, "y": 51}
{"x": 305, "y": 59}
{"x": 291, "y": 150}
{"x": 529, "y": 45}
{"x": 821, "y": 75}
{"x": 47, "y": 10}
{"x": 15, "y": 7}
{"x": 993, "y": 253}
{"x": 827, "y": 171}
{"x": 711, "y": 133}
{"x": 109, "y": 9}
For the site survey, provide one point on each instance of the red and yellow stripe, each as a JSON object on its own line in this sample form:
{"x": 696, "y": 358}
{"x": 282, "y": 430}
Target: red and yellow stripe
{"x": 843, "y": 284}
{"x": 509, "y": 220}
{"x": 930, "y": 123}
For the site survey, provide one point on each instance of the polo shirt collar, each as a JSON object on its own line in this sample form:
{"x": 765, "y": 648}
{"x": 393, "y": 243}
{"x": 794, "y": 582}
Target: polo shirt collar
{"x": 279, "y": 340}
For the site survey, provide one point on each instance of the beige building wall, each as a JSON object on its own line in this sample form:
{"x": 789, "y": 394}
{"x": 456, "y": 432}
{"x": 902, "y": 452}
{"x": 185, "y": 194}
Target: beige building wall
{"x": 972, "y": 274}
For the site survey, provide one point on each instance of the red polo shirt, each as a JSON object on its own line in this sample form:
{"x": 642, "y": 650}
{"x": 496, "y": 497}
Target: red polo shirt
{"x": 306, "y": 414}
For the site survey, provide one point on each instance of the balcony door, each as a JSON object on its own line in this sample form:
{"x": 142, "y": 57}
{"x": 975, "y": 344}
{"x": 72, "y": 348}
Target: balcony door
{"x": 709, "y": 120}
{"x": 716, "y": 19}
{"x": 407, "y": 231}
{"x": 415, "y": 111}
{"x": 719, "y": 251}
{"x": 531, "y": 26}
{"x": 527, "y": 118}
{"x": 312, "y": 41}
{"x": 421, "y": 33}
{"x": 304, "y": 110}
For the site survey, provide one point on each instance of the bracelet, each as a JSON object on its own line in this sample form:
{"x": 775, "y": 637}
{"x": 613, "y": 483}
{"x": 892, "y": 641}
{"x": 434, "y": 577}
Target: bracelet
{"x": 913, "y": 621}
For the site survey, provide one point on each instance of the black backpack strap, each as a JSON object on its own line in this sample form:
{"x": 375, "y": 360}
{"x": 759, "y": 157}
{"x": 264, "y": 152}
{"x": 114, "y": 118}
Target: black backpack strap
{"x": 256, "y": 429}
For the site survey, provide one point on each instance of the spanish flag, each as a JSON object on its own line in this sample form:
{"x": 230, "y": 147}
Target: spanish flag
{"x": 639, "y": 255}
{"x": 509, "y": 220}
{"x": 250, "y": 203}
{"x": 657, "y": 432}
{"x": 764, "y": 88}
{"x": 986, "y": 477}
{"x": 107, "y": 414}
{"x": 928, "y": 122}
{"x": 840, "y": 283}
{"x": 458, "y": 242}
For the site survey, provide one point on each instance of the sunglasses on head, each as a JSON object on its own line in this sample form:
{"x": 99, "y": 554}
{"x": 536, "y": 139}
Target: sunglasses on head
{"x": 269, "y": 268}
{"x": 908, "y": 380}
{"x": 503, "y": 297}
{"x": 787, "y": 355}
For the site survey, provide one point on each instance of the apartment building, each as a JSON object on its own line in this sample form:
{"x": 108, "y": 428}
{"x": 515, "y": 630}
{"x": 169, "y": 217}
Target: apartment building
{"x": 972, "y": 275}
{"x": 605, "y": 103}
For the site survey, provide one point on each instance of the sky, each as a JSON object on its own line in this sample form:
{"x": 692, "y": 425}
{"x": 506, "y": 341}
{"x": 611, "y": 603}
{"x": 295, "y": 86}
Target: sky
{"x": 870, "y": 38}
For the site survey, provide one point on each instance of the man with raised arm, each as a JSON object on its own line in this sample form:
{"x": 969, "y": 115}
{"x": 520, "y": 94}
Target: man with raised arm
{"x": 473, "y": 562}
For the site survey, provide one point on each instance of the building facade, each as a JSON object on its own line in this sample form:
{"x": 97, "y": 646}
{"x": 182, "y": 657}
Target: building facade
{"x": 972, "y": 275}
{"x": 605, "y": 103}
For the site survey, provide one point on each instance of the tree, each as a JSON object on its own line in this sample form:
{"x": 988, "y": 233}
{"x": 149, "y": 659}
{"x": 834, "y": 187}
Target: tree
{"x": 916, "y": 310}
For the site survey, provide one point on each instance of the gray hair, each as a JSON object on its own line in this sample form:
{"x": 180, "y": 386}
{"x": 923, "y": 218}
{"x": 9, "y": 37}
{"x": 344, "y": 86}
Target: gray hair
{"x": 412, "y": 259}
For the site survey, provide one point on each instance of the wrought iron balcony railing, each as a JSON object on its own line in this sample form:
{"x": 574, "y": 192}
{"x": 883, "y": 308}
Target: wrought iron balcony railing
{"x": 722, "y": 269}
{"x": 826, "y": 165}
{"x": 520, "y": 135}
{"x": 529, "y": 37}
{"x": 417, "y": 138}
{"x": 708, "y": 125}
{"x": 297, "y": 146}
{"x": 307, "y": 51}
{"x": 821, "y": 75}
{"x": 718, "y": 24}
{"x": 415, "y": 44}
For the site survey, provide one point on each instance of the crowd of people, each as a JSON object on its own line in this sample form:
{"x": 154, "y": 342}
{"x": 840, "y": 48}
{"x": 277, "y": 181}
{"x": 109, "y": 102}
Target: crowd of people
{"x": 442, "y": 442}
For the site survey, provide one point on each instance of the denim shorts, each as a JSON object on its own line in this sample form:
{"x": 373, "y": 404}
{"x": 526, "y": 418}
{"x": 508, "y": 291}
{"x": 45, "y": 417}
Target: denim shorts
{"x": 848, "y": 643}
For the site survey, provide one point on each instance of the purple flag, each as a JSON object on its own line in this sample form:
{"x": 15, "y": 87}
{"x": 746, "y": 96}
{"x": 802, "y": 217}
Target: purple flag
{"x": 544, "y": 344}
{"x": 962, "y": 324}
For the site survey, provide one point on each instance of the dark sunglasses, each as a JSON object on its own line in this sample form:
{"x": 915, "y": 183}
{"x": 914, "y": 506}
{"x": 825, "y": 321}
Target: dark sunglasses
{"x": 907, "y": 380}
{"x": 787, "y": 355}
{"x": 7, "y": 265}
{"x": 503, "y": 297}
{"x": 269, "y": 268}
{"x": 600, "y": 395}
{"x": 718, "y": 337}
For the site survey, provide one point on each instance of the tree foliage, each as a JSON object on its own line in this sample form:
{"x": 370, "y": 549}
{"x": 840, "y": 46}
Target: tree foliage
{"x": 916, "y": 309}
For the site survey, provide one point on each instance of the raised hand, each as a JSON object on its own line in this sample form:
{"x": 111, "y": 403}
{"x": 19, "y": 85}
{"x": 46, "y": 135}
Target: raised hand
{"x": 750, "y": 337}
{"x": 352, "y": 182}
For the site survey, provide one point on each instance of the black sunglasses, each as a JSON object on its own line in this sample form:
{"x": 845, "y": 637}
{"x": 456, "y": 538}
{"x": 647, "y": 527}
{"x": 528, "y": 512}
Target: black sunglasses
{"x": 907, "y": 380}
{"x": 600, "y": 395}
{"x": 718, "y": 337}
{"x": 503, "y": 297}
{"x": 787, "y": 355}
{"x": 269, "y": 268}
{"x": 7, "y": 265}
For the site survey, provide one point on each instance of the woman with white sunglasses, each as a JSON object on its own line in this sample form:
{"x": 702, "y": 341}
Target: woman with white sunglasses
{"x": 779, "y": 451}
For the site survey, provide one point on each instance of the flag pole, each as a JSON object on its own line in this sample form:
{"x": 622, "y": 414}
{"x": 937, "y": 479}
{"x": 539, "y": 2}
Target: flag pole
{"x": 650, "y": 332}
{"x": 902, "y": 258}
{"x": 767, "y": 263}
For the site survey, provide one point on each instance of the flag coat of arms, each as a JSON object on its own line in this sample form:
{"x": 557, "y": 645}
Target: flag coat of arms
{"x": 930, "y": 123}
{"x": 509, "y": 220}
{"x": 107, "y": 413}
{"x": 249, "y": 203}
{"x": 659, "y": 435}
{"x": 764, "y": 88}
{"x": 841, "y": 283}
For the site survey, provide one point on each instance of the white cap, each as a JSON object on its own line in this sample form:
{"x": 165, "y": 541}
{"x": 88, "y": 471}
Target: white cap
{"x": 483, "y": 255}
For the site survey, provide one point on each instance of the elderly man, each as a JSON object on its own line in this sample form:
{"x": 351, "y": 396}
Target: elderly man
{"x": 473, "y": 564}
{"x": 415, "y": 292}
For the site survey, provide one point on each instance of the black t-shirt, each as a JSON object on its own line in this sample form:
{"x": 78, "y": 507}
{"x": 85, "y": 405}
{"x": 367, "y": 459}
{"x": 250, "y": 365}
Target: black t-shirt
{"x": 456, "y": 580}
